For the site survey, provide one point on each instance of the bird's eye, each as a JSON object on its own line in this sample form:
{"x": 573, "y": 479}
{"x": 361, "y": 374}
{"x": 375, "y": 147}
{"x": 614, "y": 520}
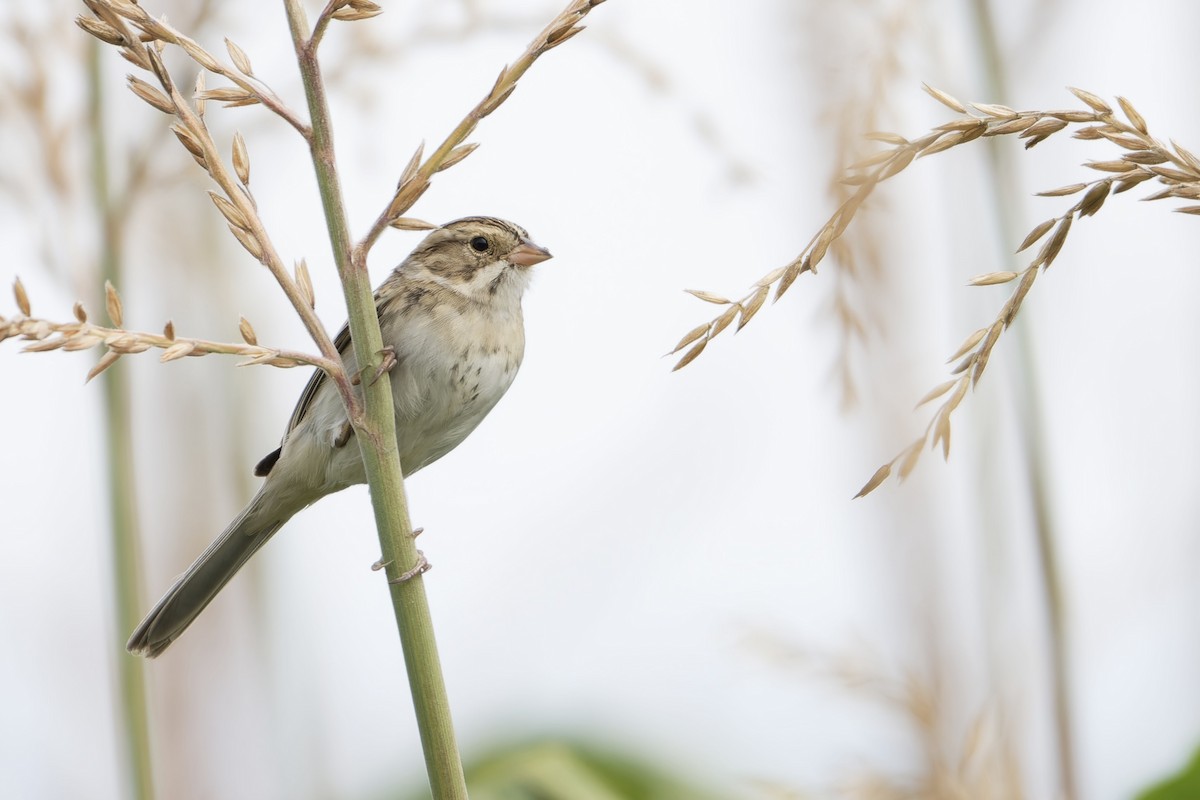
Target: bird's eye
{"x": 480, "y": 243}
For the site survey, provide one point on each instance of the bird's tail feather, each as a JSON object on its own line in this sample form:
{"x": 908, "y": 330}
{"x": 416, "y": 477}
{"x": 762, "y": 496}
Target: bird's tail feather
{"x": 196, "y": 588}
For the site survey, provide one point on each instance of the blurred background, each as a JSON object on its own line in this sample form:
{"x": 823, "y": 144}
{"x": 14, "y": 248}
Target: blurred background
{"x": 646, "y": 583}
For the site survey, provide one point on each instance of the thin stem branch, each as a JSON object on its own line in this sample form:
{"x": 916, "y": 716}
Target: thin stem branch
{"x": 323, "y": 20}
{"x": 376, "y": 431}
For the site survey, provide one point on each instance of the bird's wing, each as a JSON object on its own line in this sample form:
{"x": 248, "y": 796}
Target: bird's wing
{"x": 342, "y": 343}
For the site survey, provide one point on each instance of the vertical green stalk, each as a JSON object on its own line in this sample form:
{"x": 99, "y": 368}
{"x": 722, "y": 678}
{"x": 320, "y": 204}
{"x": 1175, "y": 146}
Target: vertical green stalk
{"x": 123, "y": 522}
{"x": 1034, "y": 451}
{"x": 376, "y": 435}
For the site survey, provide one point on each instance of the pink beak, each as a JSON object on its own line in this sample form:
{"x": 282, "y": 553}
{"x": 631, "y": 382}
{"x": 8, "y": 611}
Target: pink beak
{"x": 526, "y": 254}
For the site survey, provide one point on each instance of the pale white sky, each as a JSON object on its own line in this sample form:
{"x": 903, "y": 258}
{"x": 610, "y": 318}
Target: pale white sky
{"x": 612, "y": 545}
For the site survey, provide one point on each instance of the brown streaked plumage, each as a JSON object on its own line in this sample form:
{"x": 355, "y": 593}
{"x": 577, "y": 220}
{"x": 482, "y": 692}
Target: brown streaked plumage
{"x": 452, "y": 314}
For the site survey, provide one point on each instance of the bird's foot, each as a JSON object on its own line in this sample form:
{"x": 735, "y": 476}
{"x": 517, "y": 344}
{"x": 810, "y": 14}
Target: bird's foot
{"x": 420, "y": 568}
{"x": 380, "y": 564}
{"x": 389, "y": 361}
{"x": 386, "y": 365}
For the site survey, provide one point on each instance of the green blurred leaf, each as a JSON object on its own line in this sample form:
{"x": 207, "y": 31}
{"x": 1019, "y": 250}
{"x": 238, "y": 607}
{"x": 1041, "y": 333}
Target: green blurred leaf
{"x": 1185, "y": 785}
{"x": 560, "y": 769}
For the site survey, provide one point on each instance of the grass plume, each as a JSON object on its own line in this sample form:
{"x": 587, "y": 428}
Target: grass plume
{"x": 1141, "y": 158}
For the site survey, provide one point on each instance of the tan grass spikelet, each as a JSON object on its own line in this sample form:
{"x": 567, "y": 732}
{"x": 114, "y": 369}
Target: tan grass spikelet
{"x": 691, "y": 354}
{"x": 355, "y": 10}
{"x": 936, "y": 392}
{"x": 101, "y": 30}
{"x": 1017, "y": 125}
{"x": 992, "y": 279}
{"x": 708, "y": 297}
{"x": 752, "y": 305}
{"x": 1144, "y": 157}
{"x": 1043, "y": 127}
{"x": 968, "y": 345}
{"x": 1131, "y": 113}
{"x": 412, "y": 224}
{"x": 1042, "y": 228}
{"x": 1192, "y": 162}
{"x": 886, "y": 137}
{"x": 1117, "y": 166}
{"x": 881, "y": 475}
{"x": 993, "y": 110}
{"x": 985, "y": 350}
{"x": 21, "y": 297}
{"x": 691, "y": 336}
{"x": 107, "y": 360}
{"x": 1094, "y": 101}
{"x": 722, "y": 322}
{"x": 247, "y": 331}
{"x": 1054, "y": 244}
{"x": 304, "y": 283}
{"x": 410, "y": 169}
{"x": 152, "y": 96}
{"x": 1095, "y": 197}
{"x": 112, "y": 304}
{"x": 241, "y": 159}
{"x": 457, "y": 155}
{"x": 232, "y": 213}
{"x": 230, "y": 96}
{"x": 177, "y": 351}
{"x": 1061, "y": 191}
{"x": 239, "y": 57}
{"x": 198, "y": 53}
{"x": 1009, "y": 312}
{"x": 198, "y": 88}
{"x": 248, "y": 241}
{"x": 190, "y": 143}
{"x": 944, "y": 98}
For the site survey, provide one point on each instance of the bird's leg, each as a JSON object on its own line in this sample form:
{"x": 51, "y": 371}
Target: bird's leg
{"x": 420, "y": 568}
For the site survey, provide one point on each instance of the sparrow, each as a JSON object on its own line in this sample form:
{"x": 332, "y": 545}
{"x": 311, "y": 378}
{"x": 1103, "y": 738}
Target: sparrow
{"x": 450, "y": 315}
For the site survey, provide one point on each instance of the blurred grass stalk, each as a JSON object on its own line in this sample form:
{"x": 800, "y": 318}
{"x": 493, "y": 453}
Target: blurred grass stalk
{"x": 123, "y": 521}
{"x": 1029, "y": 403}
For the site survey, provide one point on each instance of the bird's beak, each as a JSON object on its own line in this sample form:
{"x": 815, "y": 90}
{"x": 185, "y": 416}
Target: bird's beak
{"x": 526, "y": 254}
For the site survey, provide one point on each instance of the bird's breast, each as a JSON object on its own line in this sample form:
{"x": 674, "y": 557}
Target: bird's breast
{"x": 448, "y": 382}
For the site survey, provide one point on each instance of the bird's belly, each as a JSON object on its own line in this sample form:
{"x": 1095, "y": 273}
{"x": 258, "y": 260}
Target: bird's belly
{"x": 455, "y": 396}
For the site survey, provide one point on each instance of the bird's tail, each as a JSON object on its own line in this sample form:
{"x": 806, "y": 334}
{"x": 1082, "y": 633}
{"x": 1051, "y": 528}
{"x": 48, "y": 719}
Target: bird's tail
{"x": 196, "y": 588}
